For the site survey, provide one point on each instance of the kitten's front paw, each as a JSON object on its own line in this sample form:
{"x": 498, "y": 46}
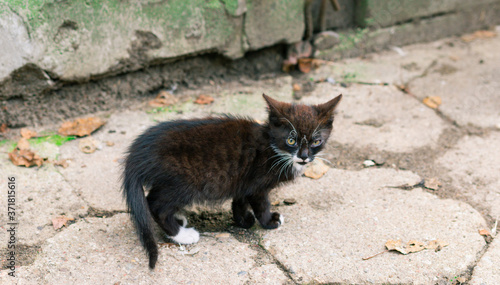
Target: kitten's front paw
{"x": 245, "y": 222}
{"x": 186, "y": 236}
{"x": 276, "y": 221}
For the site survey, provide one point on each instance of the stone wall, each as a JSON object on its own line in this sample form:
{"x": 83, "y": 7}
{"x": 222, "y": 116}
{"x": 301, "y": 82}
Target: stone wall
{"x": 48, "y": 47}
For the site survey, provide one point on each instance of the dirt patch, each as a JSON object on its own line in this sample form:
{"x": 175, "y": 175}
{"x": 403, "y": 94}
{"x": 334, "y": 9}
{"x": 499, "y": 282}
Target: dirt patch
{"x": 25, "y": 255}
{"x": 64, "y": 100}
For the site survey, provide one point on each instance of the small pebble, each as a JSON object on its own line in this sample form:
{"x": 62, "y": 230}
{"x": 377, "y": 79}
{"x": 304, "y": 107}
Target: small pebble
{"x": 241, "y": 273}
{"x": 368, "y": 163}
{"x": 289, "y": 201}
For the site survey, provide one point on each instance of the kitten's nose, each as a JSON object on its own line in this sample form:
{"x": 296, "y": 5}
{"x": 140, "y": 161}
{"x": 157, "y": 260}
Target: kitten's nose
{"x": 304, "y": 154}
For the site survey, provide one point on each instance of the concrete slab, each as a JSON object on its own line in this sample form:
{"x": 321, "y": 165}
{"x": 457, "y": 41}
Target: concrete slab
{"x": 42, "y": 194}
{"x": 348, "y": 215}
{"x": 111, "y": 246}
{"x": 386, "y": 123}
{"x": 96, "y": 176}
{"x": 473, "y": 167}
{"x": 487, "y": 270}
{"x": 467, "y": 80}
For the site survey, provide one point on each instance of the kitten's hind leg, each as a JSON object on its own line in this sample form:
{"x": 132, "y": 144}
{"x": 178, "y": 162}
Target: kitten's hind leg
{"x": 241, "y": 215}
{"x": 261, "y": 208}
{"x": 172, "y": 223}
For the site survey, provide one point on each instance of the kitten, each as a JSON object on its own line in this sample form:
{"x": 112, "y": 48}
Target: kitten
{"x": 218, "y": 158}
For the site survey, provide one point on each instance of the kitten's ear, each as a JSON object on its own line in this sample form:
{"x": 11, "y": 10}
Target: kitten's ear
{"x": 277, "y": 110}
{"x": 326, "y": 109}
{"x": 273, "y": 104}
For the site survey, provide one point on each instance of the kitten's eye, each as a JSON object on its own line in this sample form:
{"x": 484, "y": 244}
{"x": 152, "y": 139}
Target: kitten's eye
{"x": 317, "y": 143}
{"x": 291, "y": 141}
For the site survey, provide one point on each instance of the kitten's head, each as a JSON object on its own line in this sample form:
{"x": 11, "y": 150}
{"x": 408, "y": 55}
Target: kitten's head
{"x": 298, "y": 132}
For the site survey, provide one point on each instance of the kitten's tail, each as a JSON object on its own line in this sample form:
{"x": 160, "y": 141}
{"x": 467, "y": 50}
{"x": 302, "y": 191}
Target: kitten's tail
{"x": 139, "y": 210}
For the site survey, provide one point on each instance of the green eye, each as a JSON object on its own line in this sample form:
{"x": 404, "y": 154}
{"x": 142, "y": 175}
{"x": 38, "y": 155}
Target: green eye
{"x": 290, "y": 141}
{"x": 316, "y": 143}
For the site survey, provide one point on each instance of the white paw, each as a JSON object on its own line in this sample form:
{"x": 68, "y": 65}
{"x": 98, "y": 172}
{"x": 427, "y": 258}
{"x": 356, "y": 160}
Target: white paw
{"x": 186, "y": 236}
{"x": 182, "y": 218}
{"x": 282, "y": 219}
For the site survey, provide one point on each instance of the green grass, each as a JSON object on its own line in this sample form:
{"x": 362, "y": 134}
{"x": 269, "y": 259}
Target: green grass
{"x": 54, "y": 139}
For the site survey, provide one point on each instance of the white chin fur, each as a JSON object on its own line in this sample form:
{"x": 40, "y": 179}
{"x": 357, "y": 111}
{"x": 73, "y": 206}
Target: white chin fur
{"x": 186, "y": 236}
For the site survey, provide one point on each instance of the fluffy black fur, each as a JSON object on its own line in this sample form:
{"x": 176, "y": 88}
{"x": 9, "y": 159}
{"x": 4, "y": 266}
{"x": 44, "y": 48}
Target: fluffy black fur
{"x": 214, "y": 159}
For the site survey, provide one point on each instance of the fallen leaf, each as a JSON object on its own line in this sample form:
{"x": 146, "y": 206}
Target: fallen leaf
{"x": 62, "y": 163}
{"x": 432, "y": 101}
{"x": 396, "y": 245}
{"x": 432, "y": 184}
{"x": 3, "y": 128}
{"x": 88, "y": 145}
{"x": 223, "y": 235}
{"x": 27, "y": 134}
{"x": 307, "y": 64}
{"x": 414, "y": 246}
{"x": 317, "y": 169}
{"x": 436, "y": 245}
{"x": 483, "y": 34}
{"x": 275, "y": 203}
{"x": 204, "y": 99}
{"x": 296, "y": 87}
{"x": 81, "y": 127}
{"x": 25, "y": 157}
{"x": 23, "y": 144}
{"x": 163, "y": 98}
{"x": 61, "y": 221}
{"x": 484, "y": 232}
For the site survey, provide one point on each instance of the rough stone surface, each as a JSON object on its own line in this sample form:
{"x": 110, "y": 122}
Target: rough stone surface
{"x": 110, "y": 244}
{"x": 487, "y": 270}
{"x": 269, "y": 22}
{"x": 335, "y": 222}
{"x": 387, "y": 12}
{"x": 96, "y": 176}
{"x": 473, "y": 166}
{"x": 62, "y": 39}
{"x": 42, "y": 194}
{"x": 350, "y": 216}
{"x": 361, "y": 41}
{"x": 387, "y": 129}
{"x": 466, "y": 100}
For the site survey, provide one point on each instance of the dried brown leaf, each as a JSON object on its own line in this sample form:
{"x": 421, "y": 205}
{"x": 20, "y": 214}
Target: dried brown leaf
{"x": 483, "y": 34}
{"x": 432, "y": 102}
{"x": 25, "y": 157}
{"x": 61, "y": 162}
{"x": 436, "y": 245}
{"x": 317, "y": 169}
{"x": 296, "y": 87}
{"x": 432, "y": 184}
{"x": 396, "y": 245}
{"x": 3, "y": 128}
{"x": 305, "y": 64}
{"x": 60, "y": 221}
{"x": 88, "y": 145}
{"x": 414, "y": 246}
{"x": 23, "y": 144}
{"x": 27, "y": 133}
{"x": 163, "y": 99}
{"x": 485, "y": 232}
{"x": 204, "y": 99}
{"x": 81, "y": 127}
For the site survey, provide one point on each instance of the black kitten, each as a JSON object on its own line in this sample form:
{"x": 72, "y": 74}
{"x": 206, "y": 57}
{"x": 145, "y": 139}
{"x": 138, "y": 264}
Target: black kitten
{"x": 213, "y": 159}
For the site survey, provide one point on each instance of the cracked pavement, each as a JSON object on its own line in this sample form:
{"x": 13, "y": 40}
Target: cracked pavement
{"x": 337, "y": 221}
